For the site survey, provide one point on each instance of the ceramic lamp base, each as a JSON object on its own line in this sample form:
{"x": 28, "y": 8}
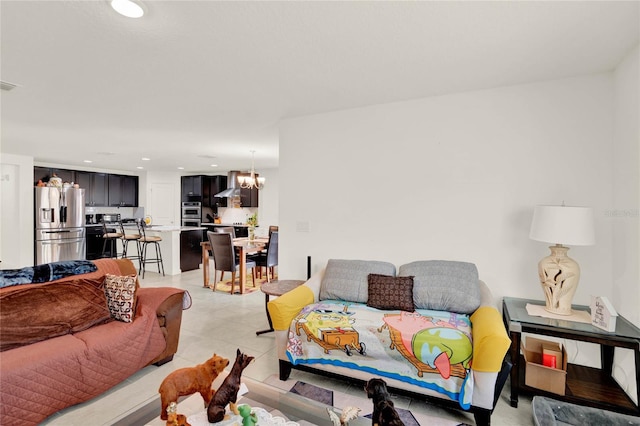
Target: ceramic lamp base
{"x": 559, "y": 276}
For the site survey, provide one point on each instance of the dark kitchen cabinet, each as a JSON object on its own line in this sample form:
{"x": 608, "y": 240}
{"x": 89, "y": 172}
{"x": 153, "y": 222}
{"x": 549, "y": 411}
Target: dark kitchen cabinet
{"x": 248, "y": 197}
{"x": 65, "y": 175}
{"x": 241, "y": 231}
{"x": 45, "y": 173}
{"x": 191, "y": 188}
{"x": 95, "y": 243}
{"x": 123, "y": 190}
{"x": 96, "y": 188}
{"x": 130, "y": 190}
{"x": 211, "y": 185}
{"x": 190, "y": 250}
{"x": 41, "y": 173}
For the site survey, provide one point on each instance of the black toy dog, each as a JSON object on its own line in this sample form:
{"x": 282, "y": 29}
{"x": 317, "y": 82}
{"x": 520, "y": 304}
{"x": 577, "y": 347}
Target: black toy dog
{"x": 227, "y": 393}
{"x": 384, "y": 413}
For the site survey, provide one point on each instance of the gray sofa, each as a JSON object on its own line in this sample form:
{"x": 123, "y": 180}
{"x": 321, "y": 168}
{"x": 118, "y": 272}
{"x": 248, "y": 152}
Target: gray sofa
{"x": 449, "y": 288}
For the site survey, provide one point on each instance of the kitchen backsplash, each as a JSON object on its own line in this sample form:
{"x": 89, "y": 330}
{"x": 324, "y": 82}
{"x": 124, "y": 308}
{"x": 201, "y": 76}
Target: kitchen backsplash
{"x": 125, "y": 212}
{"x": 234, "y": 215}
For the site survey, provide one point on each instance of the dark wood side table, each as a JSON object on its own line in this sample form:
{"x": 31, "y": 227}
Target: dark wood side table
{"x": 585, "y": 385}
{"x": 276, "y": 288}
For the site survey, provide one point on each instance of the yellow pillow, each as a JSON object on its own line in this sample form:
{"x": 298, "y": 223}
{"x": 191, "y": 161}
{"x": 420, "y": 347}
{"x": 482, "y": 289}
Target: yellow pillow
{"x": 285, "y": 308}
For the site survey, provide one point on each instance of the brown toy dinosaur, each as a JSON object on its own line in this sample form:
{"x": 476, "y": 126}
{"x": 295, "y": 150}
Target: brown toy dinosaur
{"x": 227, "y": 393}
{"x": 186, "y": 381}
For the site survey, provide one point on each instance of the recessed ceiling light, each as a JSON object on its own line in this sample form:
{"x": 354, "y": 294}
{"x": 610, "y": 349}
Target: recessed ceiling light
{"x": 145, "y": 159}
{"x": 140, "y": 167}
{"x": 128, "y": 8}
{"x": 180, "y": 168}
{"x": 88, "y": 161}
{"x": 214, "y": 165}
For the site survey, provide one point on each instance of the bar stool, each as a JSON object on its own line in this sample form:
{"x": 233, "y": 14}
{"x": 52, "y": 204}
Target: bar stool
{"x": 126, "y": 238}
{"x": 145, "y": 241}
{"x": 110, "y": 235}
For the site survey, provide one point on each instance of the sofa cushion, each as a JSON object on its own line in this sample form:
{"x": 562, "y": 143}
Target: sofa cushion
{"x": 444, "y": 285}
{"x": 121, "y": 296}
{"x": 391, "y": 293}
{"x": 348, "y": 279}
{"x": 32, "y": 313}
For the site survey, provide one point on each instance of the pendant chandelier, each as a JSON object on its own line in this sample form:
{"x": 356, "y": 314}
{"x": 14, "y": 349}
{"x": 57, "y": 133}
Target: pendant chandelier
{"x": 251, "y": 181}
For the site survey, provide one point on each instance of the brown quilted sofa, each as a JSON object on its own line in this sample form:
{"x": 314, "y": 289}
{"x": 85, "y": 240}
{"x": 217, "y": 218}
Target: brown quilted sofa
{"x": 58, "y": 348}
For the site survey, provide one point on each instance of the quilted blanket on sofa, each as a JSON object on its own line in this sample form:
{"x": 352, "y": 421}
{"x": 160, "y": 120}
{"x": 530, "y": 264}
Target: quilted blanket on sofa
{"x": 427, "y": 348}
{"x": 39, "y": 379}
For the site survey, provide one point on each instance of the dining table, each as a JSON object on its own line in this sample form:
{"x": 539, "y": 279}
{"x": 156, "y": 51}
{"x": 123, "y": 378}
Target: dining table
{"x": 244, "y": 246}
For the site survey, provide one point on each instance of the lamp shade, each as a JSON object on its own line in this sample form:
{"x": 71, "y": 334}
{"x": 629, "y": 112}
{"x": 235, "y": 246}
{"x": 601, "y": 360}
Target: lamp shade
{"x": 563, "y": 225}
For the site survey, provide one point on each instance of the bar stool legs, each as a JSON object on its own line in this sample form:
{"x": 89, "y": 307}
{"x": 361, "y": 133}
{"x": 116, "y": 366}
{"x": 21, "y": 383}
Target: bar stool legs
{"x": 145, "y": 241}
{"x": 158, "y": 259}
{"x": 125, "y": 248}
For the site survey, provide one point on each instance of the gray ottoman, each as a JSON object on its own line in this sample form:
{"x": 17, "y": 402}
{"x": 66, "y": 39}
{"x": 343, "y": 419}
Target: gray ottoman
{"x": 550, "y": 412}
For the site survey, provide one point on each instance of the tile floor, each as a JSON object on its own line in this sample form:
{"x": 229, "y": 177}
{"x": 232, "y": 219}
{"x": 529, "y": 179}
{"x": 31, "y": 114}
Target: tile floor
{"x": 221, "y": 323}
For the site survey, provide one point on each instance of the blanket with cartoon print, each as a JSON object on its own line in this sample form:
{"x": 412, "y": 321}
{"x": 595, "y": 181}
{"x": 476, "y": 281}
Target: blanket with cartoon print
{"x": 431, "y": 349}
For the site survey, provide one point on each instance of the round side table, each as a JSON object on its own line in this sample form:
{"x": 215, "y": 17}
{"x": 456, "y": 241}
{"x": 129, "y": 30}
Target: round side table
{"x": 276, "y": 288}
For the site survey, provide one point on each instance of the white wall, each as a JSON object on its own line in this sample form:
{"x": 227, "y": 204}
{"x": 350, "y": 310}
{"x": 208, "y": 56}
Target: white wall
{"x": 625, "y": 211}
{"x": 16, "y": 211}
{"x": 624, "y": 214}
{"x": 451, "y": 177}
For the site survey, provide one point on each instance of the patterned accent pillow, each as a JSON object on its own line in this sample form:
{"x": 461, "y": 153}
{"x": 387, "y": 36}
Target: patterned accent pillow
{"x": 121, "y": 296}
{"x": 391, "y": 293}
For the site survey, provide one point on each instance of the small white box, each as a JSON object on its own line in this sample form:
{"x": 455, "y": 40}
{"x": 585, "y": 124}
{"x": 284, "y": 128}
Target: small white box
{"x": 603, "y": 315}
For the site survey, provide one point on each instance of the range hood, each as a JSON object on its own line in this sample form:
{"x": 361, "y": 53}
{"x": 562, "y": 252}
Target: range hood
{"x": 233, "y": 187}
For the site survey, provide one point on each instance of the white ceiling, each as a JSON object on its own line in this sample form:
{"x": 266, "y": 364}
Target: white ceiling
{"x": 193, "y": 80}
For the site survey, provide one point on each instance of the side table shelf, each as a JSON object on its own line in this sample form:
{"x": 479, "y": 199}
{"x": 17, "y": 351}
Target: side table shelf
{"x": 593, "y": 387}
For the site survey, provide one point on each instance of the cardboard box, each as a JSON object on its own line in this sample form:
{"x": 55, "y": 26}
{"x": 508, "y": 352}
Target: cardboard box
{"x": 539, "y": 376}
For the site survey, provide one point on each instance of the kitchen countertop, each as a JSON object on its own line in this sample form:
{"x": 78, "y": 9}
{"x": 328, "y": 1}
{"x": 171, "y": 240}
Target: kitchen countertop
{"x": 174, "y": 228}
{"x": 224, "y": 224}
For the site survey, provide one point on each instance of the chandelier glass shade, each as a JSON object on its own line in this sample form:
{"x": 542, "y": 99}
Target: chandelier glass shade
{"x": 251, "y": 181}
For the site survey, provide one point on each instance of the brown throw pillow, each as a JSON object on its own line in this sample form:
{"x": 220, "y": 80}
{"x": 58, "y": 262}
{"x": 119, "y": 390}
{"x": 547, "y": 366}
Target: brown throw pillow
{"x": 121, "y": 296}
{"x": 390, "y": 293}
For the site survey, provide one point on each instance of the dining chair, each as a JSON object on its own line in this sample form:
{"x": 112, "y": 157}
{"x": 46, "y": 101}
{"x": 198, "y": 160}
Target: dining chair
{"x": 225, "y": 259}
{"x": 269, "y": 258}
{"x": 145, "y": 241}
{"x": 126, "y": 238}
{"x": 225, "y": 229}
{"x": 110, "y": 235}
{"x": 273, "y": 228}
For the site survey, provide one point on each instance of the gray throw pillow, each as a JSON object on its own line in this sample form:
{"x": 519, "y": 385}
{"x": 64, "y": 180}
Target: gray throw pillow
{"x": 348, "y": 279}
{"x": 444, "y": 285}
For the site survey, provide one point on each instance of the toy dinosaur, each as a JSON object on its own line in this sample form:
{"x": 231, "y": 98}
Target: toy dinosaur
{"x": 248, "y": 417}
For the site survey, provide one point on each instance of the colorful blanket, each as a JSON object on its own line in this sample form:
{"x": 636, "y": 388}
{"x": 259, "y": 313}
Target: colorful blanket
{"x": 431, "y": 349}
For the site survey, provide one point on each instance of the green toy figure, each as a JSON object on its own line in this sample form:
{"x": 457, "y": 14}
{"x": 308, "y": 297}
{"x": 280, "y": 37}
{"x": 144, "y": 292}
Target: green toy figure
{"x": 248, "y": 418}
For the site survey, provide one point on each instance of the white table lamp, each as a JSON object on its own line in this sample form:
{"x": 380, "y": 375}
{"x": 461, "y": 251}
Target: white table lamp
{"x": 559, "y": 274}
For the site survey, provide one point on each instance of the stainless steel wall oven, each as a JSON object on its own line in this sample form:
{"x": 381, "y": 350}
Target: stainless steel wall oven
{"x": 191, "y": 213}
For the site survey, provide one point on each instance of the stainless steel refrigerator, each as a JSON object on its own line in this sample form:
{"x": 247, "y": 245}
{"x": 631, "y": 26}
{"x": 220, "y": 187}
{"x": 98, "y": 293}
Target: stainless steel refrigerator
{"x": 59, "y": 224}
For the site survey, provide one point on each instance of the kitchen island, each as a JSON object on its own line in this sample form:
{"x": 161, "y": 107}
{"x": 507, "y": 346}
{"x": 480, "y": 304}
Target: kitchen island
{"x": 180, "y": 247}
